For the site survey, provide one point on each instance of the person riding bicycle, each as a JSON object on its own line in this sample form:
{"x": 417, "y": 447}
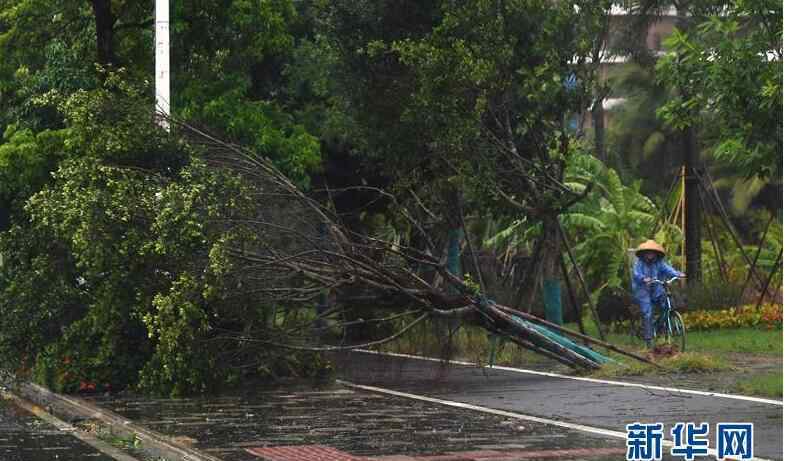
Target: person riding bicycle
{"x": 650, "y": 265}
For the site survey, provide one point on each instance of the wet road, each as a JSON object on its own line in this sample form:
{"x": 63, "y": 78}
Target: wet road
{"x": 23, "y": 437}
{"x": 593, "y": 404}
{"x": 358, "y": 422}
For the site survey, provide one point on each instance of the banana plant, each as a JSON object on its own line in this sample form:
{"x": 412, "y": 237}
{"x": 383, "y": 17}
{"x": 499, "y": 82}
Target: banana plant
{"x": 614, "y": 218}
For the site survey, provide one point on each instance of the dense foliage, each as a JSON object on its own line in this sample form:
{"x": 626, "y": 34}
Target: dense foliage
{"x": 728, "y": 68}
{"x": 111, "y": 265}
{"x": 115, "y": 233}
{"x": 118, "y": 276}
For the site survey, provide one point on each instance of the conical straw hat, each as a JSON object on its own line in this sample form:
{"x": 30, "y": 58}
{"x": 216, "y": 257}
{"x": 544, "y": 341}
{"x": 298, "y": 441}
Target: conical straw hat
{"x": 650, "y": 245}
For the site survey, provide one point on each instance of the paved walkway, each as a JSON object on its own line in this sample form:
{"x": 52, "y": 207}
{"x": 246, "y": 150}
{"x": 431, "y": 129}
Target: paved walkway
{"x": 581, "y": 402}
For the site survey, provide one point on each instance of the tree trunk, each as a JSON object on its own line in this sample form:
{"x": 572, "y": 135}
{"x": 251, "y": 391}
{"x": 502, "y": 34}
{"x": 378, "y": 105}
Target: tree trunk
{"x": 692, "y": 207}
{"x": 599, "y": 127}
{"x": 552, "y": 296}
{"x": 453, "y": 263}
{"x": 524, "y": 297}
{"x": 105, "y": 23}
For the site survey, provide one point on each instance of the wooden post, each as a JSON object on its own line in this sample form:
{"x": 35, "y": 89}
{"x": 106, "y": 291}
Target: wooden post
{"x": 755, "y": 259}
{"x": 769, "y": 279}
{"x": 583, "y": 283}
{"x": 572, "y": 297}
{"x": 715, "y": 200}
{"x": 682, "y": 224}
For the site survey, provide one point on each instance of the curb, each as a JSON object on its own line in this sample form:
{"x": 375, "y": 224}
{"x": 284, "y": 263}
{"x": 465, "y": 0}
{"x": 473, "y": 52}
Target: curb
{"x": 68, "y": 408}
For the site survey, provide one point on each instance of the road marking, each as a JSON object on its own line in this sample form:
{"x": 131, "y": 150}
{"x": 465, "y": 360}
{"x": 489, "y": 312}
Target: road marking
{"x": 591, "y": 380}
{"x": 510, "y": 414}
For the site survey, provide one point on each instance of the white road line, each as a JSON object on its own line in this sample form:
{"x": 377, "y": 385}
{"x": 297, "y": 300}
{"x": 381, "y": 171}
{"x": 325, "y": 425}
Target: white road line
{"x": 509, "y": 414}
{"x": 591, "y": 380}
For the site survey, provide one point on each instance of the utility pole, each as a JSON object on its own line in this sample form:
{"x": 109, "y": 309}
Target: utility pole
{"x": 162, "y": 62}
{"x": 692, "y": 229}
{"x": 692, "y": 171}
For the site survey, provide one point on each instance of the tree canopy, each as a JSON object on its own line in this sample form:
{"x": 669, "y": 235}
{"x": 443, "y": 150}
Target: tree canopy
{"x": 727, "y": 68}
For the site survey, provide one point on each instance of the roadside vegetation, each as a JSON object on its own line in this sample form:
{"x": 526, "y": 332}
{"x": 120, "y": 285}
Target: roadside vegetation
{"x": 687, "y": 362}
{"x": 353, "y": 172}
{"x": 744, "y": 360}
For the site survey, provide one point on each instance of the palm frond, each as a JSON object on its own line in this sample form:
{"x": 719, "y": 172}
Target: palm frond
{"x": 616, "y": 191}
{"x": 582, "y": 221}
{"x": 504, "y": 235}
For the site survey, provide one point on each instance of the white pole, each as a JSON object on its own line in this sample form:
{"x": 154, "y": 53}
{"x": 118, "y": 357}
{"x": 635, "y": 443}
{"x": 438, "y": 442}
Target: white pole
{"x": 162, "y": 61}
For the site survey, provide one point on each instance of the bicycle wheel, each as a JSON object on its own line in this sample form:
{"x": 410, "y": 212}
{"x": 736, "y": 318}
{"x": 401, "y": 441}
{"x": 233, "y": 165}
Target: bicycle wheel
{"x": 677, "y": 333}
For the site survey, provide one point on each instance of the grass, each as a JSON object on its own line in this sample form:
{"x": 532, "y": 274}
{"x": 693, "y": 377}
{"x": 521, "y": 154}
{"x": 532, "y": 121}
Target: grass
{"x": 620, "y": 369}
{"x": 695, "y": 362}
{"x": 716, "y": 342}
{"x": 765, "y": 385}
{"x": 708, "y": 351}
{"x": 688, "y": 362}
{"x": 745, "y": 340}
{"x": 472, "y": 343}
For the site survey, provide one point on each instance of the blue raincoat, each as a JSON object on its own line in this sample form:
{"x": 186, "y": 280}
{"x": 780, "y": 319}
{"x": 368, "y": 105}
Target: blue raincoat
{"x": 647, "y": 295}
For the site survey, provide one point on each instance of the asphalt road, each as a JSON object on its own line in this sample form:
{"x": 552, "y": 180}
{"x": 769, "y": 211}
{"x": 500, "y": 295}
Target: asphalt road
{"x": 600, "y": 405}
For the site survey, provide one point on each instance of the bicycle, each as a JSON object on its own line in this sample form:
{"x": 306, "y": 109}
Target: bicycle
{"x": 668, "y": 323}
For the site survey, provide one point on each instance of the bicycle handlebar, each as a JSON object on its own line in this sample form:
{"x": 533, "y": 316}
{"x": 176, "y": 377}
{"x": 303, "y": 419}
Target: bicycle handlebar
{"x": 667, "y": 282}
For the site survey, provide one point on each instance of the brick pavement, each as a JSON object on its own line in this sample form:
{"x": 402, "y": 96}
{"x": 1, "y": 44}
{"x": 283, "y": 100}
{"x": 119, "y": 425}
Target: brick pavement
{"x": 303, "y": 453}
{"x": 512, "y": 455}
{"x": 325, "y": 453}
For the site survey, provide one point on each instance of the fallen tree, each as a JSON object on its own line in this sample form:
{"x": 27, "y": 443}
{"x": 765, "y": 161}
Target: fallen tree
{"x": 296, "y": 249}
